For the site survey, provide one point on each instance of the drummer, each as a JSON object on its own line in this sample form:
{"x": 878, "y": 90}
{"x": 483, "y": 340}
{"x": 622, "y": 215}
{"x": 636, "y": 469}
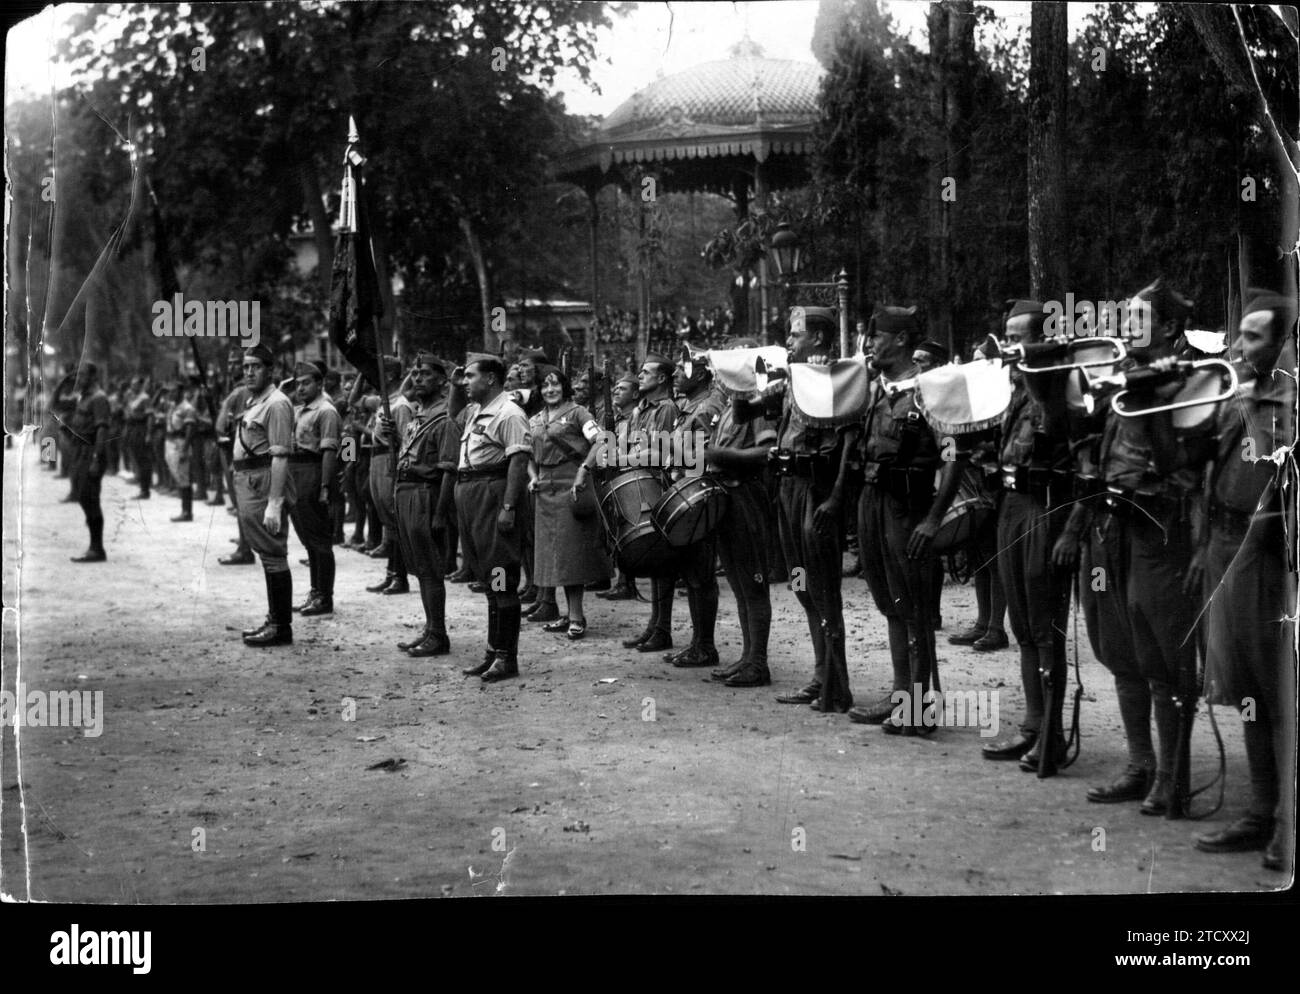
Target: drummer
{"x": 653, "y": 418}
{"x": 701, "y": 405}
{"x": 624, "y": 395}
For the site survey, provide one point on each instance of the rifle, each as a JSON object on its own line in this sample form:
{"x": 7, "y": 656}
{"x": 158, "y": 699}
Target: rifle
{"x": 607, "y": 393}
{"x": 1185, "y": 693}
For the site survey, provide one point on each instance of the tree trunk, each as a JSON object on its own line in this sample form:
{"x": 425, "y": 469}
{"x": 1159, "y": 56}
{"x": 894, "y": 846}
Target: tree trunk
{"x": 939, "y": 299}
{"x": 320, "y": 223}
{"x": 490, "y": 342}
{"x": 1048, "y": 48}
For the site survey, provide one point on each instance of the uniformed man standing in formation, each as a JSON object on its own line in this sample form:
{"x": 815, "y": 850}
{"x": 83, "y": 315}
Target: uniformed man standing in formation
{"x": 899, "y": 513}
{"x": 737, "y": 455}
{"x": 228, "y": 418}
{"x": 1250, "y": 588}
{"x": 1038, "y": 486}
{"x": 137, "y": 437}
{"x": 87, "y": 429}
{"x": 699, "y": 408}
{"x": 182, "y": 420}
{"x": 313, "y": 466}
{"x": 625, "y": 394}
{"x": 492, "y": 471}
{"x": 813, "y": 466}
{"x": 653, "y": 417}
{"x": 264, "y": 491}
{"x": 426, "y": 467}
{"x": 382, "y": 481}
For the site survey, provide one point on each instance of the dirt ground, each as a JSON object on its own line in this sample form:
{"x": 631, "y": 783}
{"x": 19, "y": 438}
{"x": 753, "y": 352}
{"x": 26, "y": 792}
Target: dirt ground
{"x": 549, "y": 784}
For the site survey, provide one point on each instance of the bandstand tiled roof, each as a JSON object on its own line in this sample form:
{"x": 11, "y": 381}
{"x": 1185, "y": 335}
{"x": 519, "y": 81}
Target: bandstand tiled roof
{"x": 696, "y": 127}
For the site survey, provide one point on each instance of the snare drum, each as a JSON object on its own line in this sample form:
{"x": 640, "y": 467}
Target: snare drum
{"x": 966, "y": 515}
{"x": 627, "y": 507}
{"x": 690, "y": 511}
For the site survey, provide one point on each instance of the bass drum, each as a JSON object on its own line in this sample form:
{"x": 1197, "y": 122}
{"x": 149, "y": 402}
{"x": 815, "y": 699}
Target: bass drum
{"x": 690, "y": 511}
{"x": 626, "y": 508}
{"x": 966, "y": 516}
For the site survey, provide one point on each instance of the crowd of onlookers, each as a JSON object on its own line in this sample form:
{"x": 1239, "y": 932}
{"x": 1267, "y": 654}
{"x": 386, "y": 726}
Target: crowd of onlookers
{"x": 707, "y": 327}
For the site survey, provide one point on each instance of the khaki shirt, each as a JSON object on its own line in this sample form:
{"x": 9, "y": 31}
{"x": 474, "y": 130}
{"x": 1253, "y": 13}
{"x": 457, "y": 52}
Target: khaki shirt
{"x": 493, "y": 433}
{"x": 267, "y": 425}
{"x": 317, "y": 426}
{"x": 429, "y": 447}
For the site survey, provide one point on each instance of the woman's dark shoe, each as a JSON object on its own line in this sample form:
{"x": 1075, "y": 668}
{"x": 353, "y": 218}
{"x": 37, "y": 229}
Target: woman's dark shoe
{"x": 577, "y": 630}
{"x": 558, "y": 625}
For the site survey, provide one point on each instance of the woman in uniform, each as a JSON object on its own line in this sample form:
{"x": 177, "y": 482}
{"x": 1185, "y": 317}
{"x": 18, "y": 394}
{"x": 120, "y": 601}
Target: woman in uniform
{"x": 567, "y": 546}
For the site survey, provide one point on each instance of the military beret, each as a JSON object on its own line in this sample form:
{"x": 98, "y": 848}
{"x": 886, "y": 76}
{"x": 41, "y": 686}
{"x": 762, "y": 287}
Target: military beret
{"x": 894, "y": 320}
{"x": 1283, "y": 307}
{"x": 935, "y": 349}
{"x": 426, "y": 358}
{"x": 473, "y": 357}
{"x": 661, "y": 360}
{"x": 1018, "y": 308}
{"x": 261, "y": 353}
{"x": 629, "y": 379}
{"x": 311, "y": 369}
{"x": 1167, "y": 302}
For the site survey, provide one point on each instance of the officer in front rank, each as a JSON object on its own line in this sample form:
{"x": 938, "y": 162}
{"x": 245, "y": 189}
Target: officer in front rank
{"x": 264, "y": 489}
{"x": 313, "y": 466}
{"x": 426, "y": 476}
{"x": 88, "y": 434}
{"x": 492, "y": 471}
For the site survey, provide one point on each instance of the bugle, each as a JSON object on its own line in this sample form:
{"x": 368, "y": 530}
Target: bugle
{"x": 689, "y": 358}
{"x": 1079, "y": 353}
{"x": 763, "y": 375}
{"x": 1159, "y": 373}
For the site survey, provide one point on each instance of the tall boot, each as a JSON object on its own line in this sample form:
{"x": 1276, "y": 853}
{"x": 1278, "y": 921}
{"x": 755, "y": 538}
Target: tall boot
{"x": 322, "y": 601}
{"x": 835, "y": 694}
{"x": 507, "y": 656}
{"x": 493, "y": 638}
{"x": 187, "y": 505}
{"x": 401, "y": 584}
{"x": 659, "y": 632}
{"x": 313, "y": 593}
{"x": 691, "y": 655}
{"x": 280, "y": 631}
{"x": 1166, "y": 719}
{"x": 270, "y": 619}
{"x": 433, "y": 597}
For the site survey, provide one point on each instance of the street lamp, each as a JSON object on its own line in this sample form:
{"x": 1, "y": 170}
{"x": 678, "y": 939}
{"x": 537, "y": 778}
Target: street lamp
{"x": 786, "y": 255}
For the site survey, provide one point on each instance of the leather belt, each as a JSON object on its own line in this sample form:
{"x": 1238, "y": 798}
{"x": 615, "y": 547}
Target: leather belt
{"x": 405, "y": 477}
{"x": 1036, "y": 482}
{"x": 312, "y": 457}
{"x": 495, "y": 473}
{"x": 1126, "y": 503}
{"x": 252, "y": 462}
{"x": 801, "y": 465}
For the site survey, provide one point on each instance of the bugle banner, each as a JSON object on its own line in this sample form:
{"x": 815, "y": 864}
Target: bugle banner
{"x": 958, "y": 400}
{"x": 830, "y": 395}
{"x": 733, "y": 369}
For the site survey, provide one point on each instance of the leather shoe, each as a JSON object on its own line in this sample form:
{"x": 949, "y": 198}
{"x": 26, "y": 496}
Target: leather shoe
{"x": 436, "y": 644}
{"x": 311, "y": 596}
{"x": 529, "y": 594}
{"x": 872, "y": 714}
{"x": 1029, "y": 761}
{"x": 632, "y": 643}
{"x": 400, "y": 585}
{"x": 253, "y": 631}
{"x": 424, "y": 634}
{"x": 991, "y": 641}
{"x": 703, "y": 657}
{"x": 530, "y": 610}
{"x": 1012, "y": 748}
{"x": 90, "y": 556}
{"x": 1246, "y": 834}
{"x": 477, "y": 587}
{"x": 1133, "y": 785}
{"x": 750, "y": 675}
{"x": 832, "y": 708}
{"x": 806, "y": 695}
{"x": 237, "y": 559}
{"x": 969, "y": 636}
{"x": 502, "y": 669}
{"x": 558, "y": 625}
{"x": 692, "y": 651}
{"x": 318, "y": 605}
{"x": 545, "y": 612}
{"x": 271, "y": 635}
{"x": 623, "y": 592}
{"x": 726, "y": 673}
{"x": 382, "y": 585}
{"x": 1157, "y": 800}
{"x": 658, "y": 641}
{"x": 489, "y": 658}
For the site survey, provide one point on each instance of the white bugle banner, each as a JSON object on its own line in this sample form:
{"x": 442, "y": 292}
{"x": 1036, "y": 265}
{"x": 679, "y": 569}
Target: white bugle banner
{"x": 958, "y": 400}
{"x": 733, "y": 369}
